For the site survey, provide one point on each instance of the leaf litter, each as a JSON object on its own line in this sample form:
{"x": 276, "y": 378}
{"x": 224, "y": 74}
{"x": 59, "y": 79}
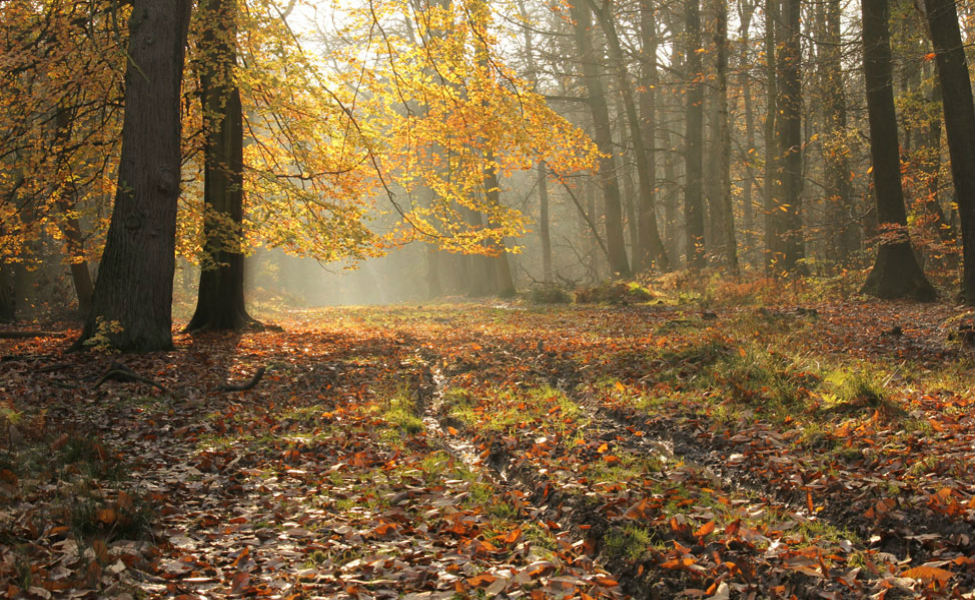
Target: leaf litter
{"x": 542, "y": 453}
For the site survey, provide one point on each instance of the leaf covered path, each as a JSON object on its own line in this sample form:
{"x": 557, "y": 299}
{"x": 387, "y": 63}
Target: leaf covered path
{"x": 509, "y": 451}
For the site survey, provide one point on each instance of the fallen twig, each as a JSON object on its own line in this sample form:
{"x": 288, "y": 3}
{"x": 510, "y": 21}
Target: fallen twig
{"x": 240, "y": 387}
{"x": 30, "y": 334}
{"x": 119, "y": 372}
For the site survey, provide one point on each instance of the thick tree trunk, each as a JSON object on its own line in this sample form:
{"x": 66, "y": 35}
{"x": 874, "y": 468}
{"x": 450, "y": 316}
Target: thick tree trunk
{"x": 8, "y": 302}
{"x": 896, "y": 273}
{"x": 582, "y": 23}
{"x": 786, "y": 201}
{"x": 693, "y": 137}
{"x": 956, "y": 97}
{"x": 135, "y": 278}
{"x": 220, "y": 300}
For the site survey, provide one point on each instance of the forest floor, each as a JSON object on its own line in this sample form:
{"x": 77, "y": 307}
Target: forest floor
{"x": 510, "y": 450}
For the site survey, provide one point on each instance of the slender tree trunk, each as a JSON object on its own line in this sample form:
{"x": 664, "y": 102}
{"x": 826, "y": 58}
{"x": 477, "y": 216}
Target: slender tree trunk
{"x": 772, "y": 222}
{"x": 544, "y": 234}
{"x": 745, "y": 12}
{"x": 956, "y": 97}
{"x": 541, "y": 169}
{"x": 499, "y": 268}
{"x": 582, "y": 23}
{"x": 896, "y": 273}
{"x": 693, "y": 136}
{"x": 725, "y": 226}
{"x": 649, "y": 80}
{"x": 220, "y": 302}
{"x": 135, "y": 279}
{"x": 71, "y": 226}
{"x": 648, "y": 247}
{"x": 842, "y": 234}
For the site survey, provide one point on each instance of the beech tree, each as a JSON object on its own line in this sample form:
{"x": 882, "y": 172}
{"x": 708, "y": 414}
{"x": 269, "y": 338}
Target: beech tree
{"x": 220, "y": 302}
{"x": 896, "y": 273}
{"x": 956, "y": 96}
{"x": 132, "y": 301}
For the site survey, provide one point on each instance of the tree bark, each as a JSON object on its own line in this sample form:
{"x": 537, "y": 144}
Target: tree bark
{"x": 745, "y": 12}
{"x": 786, "y": 200}
{"x": 582, "y": 23}
{"x": 135, "y": 280}
{"x": 693, "y": 136}
{"x": 896, "y": 273}
{"x": 725, "y": 217}
{"x": 956, "y": 98}
{"x": 649, "y": 249}
{"x": 772, "y": 223}
{"x": 8, "y": 301}
{"x": 842, "y": 234}
{"x": 220, "y": 300}
{"x": 649, "y": 80}
{"x": 544, "y": 234}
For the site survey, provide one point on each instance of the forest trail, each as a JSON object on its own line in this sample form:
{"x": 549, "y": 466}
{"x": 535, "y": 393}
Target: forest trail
{"x": 506, "y": 450}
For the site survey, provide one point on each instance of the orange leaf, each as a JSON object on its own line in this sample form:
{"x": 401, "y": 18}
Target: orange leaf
{"x": 384, "y": 528}
{"x": 809, "y": 503}
{"x": 705, "y": 529}
{"x": 928, "y": 574}
{"x": 930, "y": 56}
{"x": 607, "y": 581}
{"x": 451, "y": 430}
{"x": 107, "y": 516}
{"x": 482, "y": 579}
{"x": 602, "y": 448}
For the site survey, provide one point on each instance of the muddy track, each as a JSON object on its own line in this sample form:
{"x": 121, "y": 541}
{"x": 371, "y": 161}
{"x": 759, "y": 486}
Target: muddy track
{"x": 561, "y": 514}
{"x": 576, "y": 513}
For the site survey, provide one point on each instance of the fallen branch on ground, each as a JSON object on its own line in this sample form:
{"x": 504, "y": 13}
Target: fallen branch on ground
{"x": 240, "y": 387}
{"x": 119, "y": 372}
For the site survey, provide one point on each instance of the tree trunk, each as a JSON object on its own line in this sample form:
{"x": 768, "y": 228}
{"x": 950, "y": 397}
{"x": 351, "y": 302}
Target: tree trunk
{"x": 896, "y": 273}
{"x": 220, "y": 301}
{"x": 582, "y": 23}
{"x": 8, "y": 300}
{"x": 71, "y": 227}
{"x": 725, "y": 217}
{"x": 745, "y": 11}
{"x": 956, "y": 98}
{"x": 132, "y": 303}
{"x": 693, "y": 137}
{"x": 649, "y": 80}
{"x": 648, "y": 247}
{"x": 842, "y": 233}
{"x": 772, "y": 222}
{"x": 544, "y": 233}
{"x": 786, "y": 201}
